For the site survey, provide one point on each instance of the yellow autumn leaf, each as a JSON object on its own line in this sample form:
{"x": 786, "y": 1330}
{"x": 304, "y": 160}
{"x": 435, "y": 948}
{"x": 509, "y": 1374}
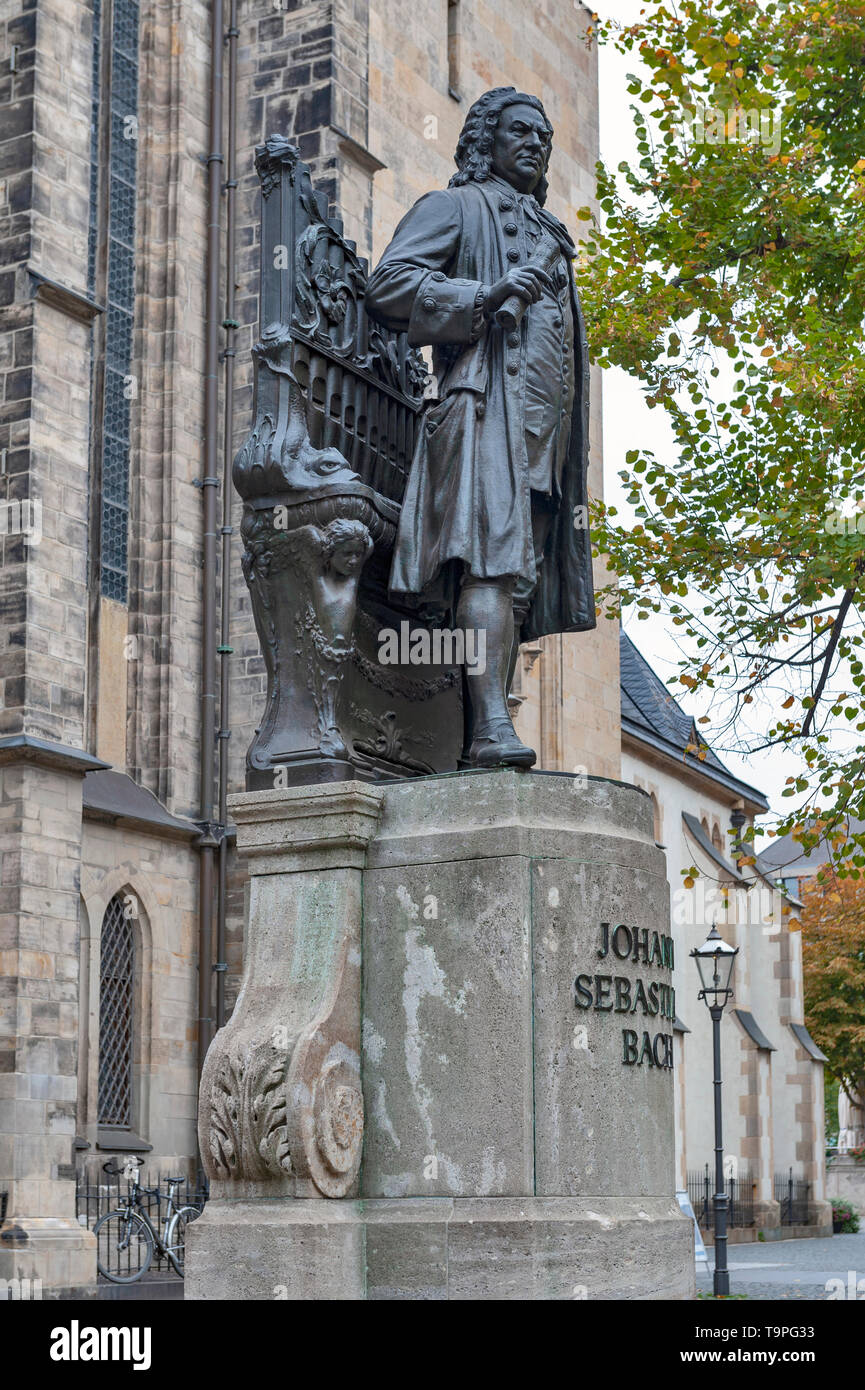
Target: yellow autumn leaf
{"x": 731, "y": 38}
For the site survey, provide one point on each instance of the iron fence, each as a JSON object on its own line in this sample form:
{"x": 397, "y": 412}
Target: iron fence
{"x": 794, "y": 1198}
{"x": 93, "y": 1200}
{"x": 740, "y": 1198}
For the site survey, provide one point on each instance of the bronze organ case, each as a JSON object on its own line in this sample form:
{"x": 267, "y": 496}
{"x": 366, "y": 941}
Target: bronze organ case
{"x": 337, "y": 403}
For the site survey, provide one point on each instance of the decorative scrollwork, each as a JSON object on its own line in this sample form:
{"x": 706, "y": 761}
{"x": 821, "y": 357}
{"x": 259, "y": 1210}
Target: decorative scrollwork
{"x": 393, "y": 682}
{"x": 388, "y": 740}
{"x": 248, "y": 1130}
{"x": 277, "y": 156}
{"x": 338, "y": 1129}
{"x": 327, "y": 290}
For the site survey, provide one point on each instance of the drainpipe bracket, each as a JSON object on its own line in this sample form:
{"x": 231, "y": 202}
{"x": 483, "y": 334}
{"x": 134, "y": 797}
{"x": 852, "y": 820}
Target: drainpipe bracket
{"x": 211, "y": 834}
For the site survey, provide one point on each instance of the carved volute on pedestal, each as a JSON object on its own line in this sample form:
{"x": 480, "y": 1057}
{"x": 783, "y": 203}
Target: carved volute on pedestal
{"x": 281, "y": 1101}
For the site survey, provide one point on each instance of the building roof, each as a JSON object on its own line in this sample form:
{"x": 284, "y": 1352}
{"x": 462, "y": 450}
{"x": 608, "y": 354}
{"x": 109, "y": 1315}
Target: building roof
{"x": 785, "y": 858}
{"x": 695, "y": 828}
{"x": 803, "y": 1037}
{"x": 113, "y": 796}
{"x": 753, "y": 1029}
{"x": 651, "y": 715}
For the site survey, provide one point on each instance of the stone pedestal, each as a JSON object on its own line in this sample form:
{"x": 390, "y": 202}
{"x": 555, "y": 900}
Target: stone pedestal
{"x": 507, "y": 935}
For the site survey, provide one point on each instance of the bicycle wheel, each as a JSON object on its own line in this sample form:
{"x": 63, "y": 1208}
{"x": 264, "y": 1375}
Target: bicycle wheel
{"x": 124, "y": 1246}
{"x": 176, "y": 1241}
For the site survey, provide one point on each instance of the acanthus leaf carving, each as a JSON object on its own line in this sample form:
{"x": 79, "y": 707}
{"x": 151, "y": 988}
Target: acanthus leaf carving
{"x": 248, "y": 1132}
{"x": 277, "y": 1107}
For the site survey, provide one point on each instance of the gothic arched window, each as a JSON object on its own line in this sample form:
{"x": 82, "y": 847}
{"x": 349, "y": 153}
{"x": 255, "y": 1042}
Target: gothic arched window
{"x": 116, "y": 1014}
{"x": 111, "y": 274}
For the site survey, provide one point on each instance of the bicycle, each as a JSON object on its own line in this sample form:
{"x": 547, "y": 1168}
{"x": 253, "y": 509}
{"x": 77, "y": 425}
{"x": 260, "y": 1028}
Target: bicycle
{"x": 129, "y": 1232}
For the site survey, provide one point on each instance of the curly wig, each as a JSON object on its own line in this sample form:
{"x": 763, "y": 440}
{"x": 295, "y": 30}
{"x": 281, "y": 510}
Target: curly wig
{"x": 474, "y": 150}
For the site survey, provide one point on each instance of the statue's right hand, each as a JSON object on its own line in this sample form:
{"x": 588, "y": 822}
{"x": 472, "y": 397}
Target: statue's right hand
{"x": 526, "y": 281}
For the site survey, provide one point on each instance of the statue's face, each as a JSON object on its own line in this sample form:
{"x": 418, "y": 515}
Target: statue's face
{"x": 521, "y": 147}
{"x": 348, "y": 558}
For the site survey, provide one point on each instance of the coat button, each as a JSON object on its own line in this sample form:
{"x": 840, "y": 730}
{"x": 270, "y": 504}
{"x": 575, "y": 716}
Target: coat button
{"x": 513, "y": 254}
{"x": 513, "y": 368}
{"x": 513, "y": 340}
{"x": 429, "y": 305}
{"x": 438, "y": 275}
{"x": 511, "y": 228}
{"x": 506, "y": 204}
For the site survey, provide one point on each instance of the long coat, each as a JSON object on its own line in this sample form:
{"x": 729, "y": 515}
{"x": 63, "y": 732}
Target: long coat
{"x": 467, "y": 497}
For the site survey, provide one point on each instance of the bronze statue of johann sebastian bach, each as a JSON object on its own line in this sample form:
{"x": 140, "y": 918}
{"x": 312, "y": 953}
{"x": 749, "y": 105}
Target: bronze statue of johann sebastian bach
{"x": 492, "y": 527}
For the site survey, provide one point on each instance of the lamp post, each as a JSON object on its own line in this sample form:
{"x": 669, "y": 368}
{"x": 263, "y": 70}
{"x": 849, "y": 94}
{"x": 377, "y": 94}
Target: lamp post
{"x": 715, "y": 960}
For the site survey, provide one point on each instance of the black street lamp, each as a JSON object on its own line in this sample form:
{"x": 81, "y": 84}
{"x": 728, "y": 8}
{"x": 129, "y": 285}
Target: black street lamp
{"x": 715, "y": 960}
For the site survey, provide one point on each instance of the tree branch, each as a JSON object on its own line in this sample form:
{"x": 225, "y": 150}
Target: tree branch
{"x": 834, "y": 637}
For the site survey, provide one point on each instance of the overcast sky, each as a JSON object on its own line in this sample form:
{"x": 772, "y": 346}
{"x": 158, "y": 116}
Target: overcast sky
{"x": 628, "y": 421}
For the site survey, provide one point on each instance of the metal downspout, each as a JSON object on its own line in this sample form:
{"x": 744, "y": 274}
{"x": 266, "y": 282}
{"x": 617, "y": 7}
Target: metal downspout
{"x": 209, "y": 843}
{"x": 224, "y": 650}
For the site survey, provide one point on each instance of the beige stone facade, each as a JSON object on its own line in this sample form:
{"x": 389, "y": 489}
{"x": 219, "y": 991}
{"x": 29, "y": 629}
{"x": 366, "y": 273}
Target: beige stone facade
{"x": 773, "y": 1078}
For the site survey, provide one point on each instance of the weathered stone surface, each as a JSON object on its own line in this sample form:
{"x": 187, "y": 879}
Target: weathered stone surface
{"x": 423, "y": 1249}
{"x": 447, "y": 1030}
{"x": 499, "y": 811}
{"x": 53, "y": 1250}
{"x": 600, "y": 1126}
{"x": 481, "y": 1075}
{"x": 292, "y": 1249}
{"x": 281, "y": 1101}
{"x": 509, "y": 1151}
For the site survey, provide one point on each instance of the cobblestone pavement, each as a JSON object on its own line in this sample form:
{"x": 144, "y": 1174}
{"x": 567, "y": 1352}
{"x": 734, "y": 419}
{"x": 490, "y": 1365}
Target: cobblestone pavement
{"x": 793, "y": 1269}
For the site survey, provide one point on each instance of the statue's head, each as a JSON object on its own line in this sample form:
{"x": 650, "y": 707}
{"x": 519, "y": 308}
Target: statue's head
{"x": 507, "y": 133}
{"x": 345, "y": 546}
